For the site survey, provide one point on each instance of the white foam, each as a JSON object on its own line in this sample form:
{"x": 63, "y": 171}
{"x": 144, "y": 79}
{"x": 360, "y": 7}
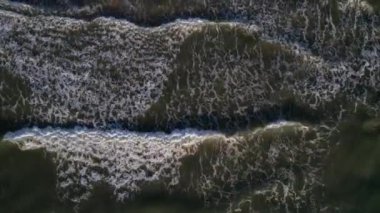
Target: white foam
{"x": 120, "y": 158}
{"x": 128, "y": 160}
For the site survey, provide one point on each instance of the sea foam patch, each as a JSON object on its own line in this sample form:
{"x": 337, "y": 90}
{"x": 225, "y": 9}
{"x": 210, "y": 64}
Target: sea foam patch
{"x": 187, "y": 73}
{"x": 120, "y": 158}
{"x": 206, "y": 163}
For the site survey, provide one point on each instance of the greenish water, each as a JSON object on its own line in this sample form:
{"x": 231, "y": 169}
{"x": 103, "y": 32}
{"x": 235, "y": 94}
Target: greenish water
{"x": 27, "y": 180}
{"x": 353, "y": 170}
{"x": 375, "y": 4}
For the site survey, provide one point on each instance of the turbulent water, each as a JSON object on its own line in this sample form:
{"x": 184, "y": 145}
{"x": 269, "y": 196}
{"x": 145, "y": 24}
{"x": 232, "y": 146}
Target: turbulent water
{"x": 189, "y": 97}
{"x": 109, "y": 71}
{"x": 208, "y": 163}
{"x": 123, "y": 159}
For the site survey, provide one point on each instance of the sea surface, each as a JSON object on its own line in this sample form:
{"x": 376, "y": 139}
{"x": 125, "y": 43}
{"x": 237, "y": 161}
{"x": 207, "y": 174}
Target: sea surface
{"x": 189, "y": 106}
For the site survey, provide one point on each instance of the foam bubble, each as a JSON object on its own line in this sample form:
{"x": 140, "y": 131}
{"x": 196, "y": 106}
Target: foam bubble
{"x": 202, "y": 162}
{"x": 120, "y": 158}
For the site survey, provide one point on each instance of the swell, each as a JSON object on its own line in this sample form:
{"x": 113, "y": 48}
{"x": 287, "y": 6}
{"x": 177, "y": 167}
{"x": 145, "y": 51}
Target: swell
{"x": 208, "y": 165}
{"x": 310, "y": 61}
{"x": 154, "y": 13}
{"x": 189, "y": 73}
{"x": 143, "y": 13}
{"x": 146, "y": 12}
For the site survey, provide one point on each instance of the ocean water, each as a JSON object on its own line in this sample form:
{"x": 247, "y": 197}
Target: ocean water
{"x": 189, "y": 106}
{"x": 278, "y": 162}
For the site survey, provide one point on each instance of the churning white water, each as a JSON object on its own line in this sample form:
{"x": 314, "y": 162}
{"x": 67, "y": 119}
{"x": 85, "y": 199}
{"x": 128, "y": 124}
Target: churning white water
{"x": 126, "y": 160}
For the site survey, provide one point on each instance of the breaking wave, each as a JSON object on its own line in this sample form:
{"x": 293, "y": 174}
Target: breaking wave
{"x": 109, "y": 72}
{"x": 210, "y": 164}
{"x": 185, "y": 97}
